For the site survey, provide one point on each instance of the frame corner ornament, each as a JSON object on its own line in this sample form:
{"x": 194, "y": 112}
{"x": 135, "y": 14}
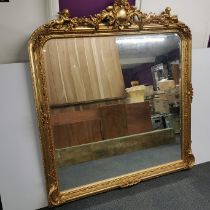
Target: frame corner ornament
{"x": 53, "y": 195}
{"x": 190, "y": 160}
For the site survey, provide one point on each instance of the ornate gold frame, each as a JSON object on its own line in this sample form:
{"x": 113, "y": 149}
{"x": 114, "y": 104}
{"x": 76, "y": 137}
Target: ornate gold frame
{"x": 121, "y": 18}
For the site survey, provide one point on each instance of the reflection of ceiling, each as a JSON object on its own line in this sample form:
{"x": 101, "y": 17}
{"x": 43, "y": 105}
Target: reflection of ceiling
{"x": 139, "y": 49}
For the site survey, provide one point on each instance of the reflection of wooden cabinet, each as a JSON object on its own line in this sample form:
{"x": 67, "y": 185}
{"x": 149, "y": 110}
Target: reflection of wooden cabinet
{"x": 138, "y": 118}
{"x": 75, "y": 128}
{"x": 77, "y": 133}
{"x": 81, "y": 127}
{"x": 113, "y": 121}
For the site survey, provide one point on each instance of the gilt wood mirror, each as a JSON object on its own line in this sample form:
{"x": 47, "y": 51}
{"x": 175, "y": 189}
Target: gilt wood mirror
{"x": 113, "y": 97}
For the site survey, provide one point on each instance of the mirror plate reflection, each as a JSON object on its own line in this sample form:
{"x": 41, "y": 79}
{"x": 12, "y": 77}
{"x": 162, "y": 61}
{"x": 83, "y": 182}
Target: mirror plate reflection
{"x": 114, "y": 104}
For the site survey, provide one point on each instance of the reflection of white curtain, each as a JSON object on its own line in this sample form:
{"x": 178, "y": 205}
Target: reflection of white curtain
{"x": 83, "y": 69}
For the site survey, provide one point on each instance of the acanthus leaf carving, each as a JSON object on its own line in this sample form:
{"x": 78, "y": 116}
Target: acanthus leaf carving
{"x": 53, "y": 195}
{"x": 190, "y": 92}
{"x": 190, "y": 159}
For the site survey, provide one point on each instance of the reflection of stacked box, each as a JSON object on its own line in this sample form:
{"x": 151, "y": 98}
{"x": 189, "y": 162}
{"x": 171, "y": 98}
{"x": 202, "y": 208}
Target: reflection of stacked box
{"x": 173, "y": 95}
{"x": 168, "y": 94}
{"x": 148, "y": 92}
{"x": 173, "y": 121}
{"x": 161, "y": 105}
{"x": 136, "y": 93}
{"x": 166, "y": 84}
{"x": 158, "y": 122}
{"x": 162, "y": 94}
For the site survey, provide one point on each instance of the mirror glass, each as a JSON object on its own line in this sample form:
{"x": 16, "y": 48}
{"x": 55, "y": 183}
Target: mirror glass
{"x": 114, "y": 103}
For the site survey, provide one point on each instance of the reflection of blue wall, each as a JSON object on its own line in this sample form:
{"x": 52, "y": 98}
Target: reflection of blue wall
{"x": 141, "y": 73}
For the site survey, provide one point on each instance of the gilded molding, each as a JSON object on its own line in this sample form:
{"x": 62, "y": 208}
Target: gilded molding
{"x": 190, "y": 92}
{"x": 120, "y": 19}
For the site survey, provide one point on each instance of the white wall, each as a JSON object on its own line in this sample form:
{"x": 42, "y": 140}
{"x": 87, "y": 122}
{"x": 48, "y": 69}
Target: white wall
{"x": 22, "y": 184}
{"x": 201, "y": 105}
{"x": 18, "y": 19}
{"x": 194, "y": 13}
{"x": 53, "y": 9}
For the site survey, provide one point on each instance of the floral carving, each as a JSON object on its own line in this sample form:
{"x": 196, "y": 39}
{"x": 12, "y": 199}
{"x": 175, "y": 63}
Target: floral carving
{"x": 190, "y": 92}
{"x": 119, "y": 16}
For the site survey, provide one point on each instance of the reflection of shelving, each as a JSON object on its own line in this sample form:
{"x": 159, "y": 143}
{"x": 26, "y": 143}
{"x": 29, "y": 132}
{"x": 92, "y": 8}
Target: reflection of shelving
{"x": 161, "y": 121}
{"x": 165, "y": 109}
{"x": 159, "y": 72}
{"x": 168, "y": 72}
{"x": 81, "y": 127}
{"x": 173, "y": 121}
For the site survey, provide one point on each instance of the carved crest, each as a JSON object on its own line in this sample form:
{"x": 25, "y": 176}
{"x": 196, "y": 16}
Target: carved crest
{"x": 119, "y": 16}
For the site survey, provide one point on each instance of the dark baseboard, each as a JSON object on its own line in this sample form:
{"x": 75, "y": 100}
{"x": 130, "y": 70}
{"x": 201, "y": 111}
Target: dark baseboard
{"x": 1, "y": 207}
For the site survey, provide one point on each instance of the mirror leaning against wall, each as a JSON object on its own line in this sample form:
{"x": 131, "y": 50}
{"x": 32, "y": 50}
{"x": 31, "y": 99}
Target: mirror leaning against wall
{"x": 113, "y": 97}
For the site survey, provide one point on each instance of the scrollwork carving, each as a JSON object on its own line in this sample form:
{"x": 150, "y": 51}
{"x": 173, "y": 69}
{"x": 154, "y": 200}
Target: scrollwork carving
{"x": 53, "y": 195}
{"x": 119, "y": 16}
{"x": 190, "y": 92}
{"x": 190, "y": 160}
